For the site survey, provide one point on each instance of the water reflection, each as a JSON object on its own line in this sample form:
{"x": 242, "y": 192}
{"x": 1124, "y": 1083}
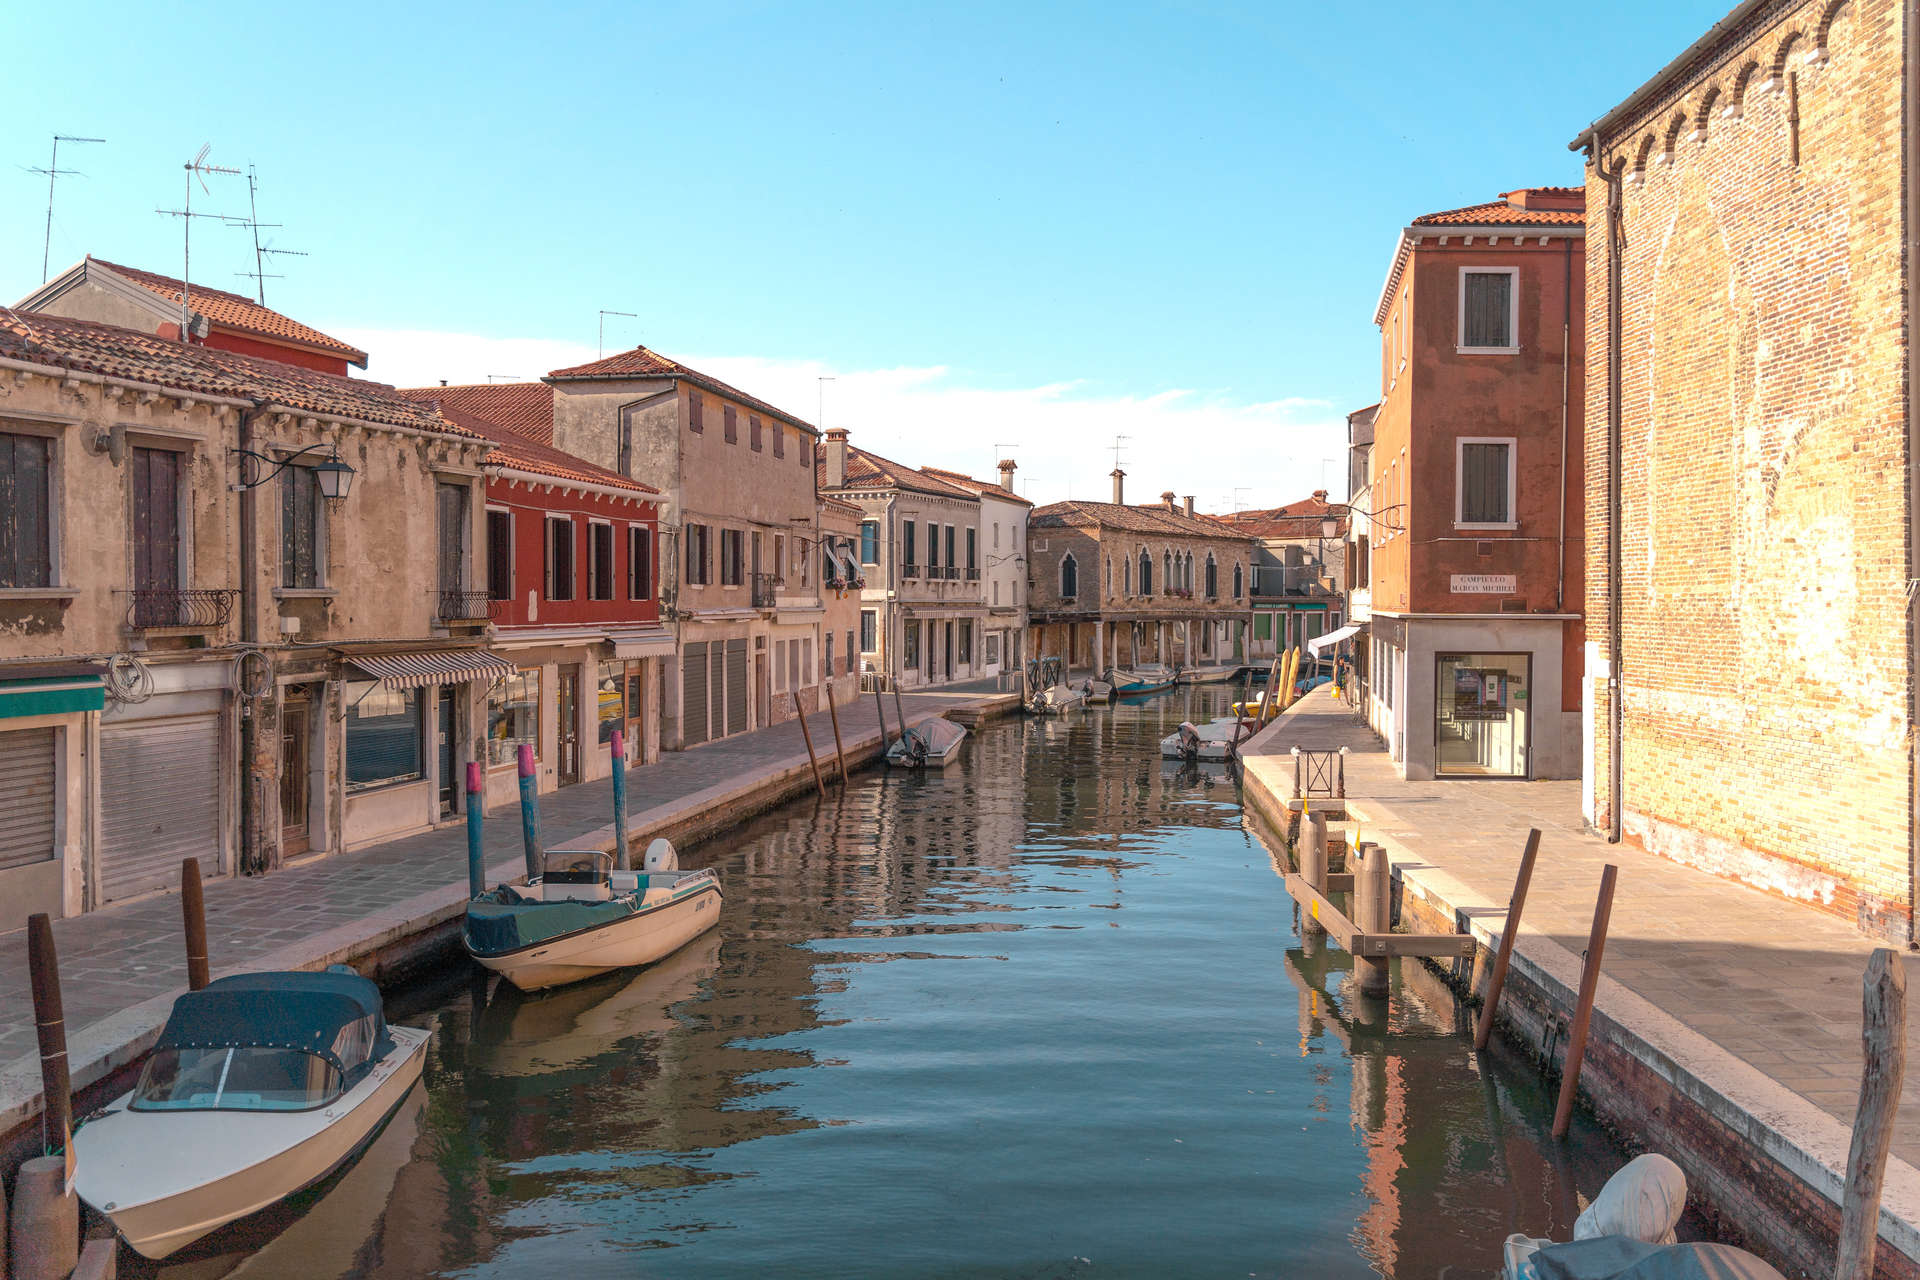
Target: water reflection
{"x": 1045, "y": 1012}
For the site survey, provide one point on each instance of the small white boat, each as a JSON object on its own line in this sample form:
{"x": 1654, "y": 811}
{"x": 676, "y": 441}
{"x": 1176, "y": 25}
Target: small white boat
{"x": 1213, "y": 674}
{"x": 1214, "y": 741}
{"x": 261, "y": 1085}
{"x": 1057, "y": 700}
{"x": 580, "y": 917}
{"x": 1147, "y": 678}
{"x": 931, "y": 744}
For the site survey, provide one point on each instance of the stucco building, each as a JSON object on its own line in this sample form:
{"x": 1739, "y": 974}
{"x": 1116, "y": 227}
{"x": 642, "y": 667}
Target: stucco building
{"x": 1113, "y": 585}
{"x": 1476, "y": 491}
{"x": 1751, "y": 468}
{"x": 841, "y": 583}
{"x": 923, "y": 611}
{"x": 1297, "y": 591}
{"x": 201, "y": 652}
{"x": 1003, "y": 573}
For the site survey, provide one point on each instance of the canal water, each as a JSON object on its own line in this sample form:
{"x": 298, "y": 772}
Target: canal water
{"x": 1044, "y": 1014}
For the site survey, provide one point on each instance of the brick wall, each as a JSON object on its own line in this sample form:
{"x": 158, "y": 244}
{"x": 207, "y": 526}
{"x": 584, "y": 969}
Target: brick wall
{"x": 1763, "y": 515}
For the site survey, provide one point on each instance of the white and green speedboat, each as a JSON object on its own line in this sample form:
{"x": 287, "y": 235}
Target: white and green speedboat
{"x": 580, "y": 917}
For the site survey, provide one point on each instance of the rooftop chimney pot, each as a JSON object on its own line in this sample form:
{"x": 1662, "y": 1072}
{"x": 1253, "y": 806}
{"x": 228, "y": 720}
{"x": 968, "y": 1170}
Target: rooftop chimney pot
{"x": 1189, "y": 504}
{"x": 1119, "y": 487}
{"x": 836, "y": 458}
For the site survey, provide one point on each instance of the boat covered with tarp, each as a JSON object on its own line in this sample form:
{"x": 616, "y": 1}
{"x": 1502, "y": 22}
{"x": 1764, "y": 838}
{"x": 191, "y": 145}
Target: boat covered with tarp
{"x": 581, "y": 917}
{"x": 927, "y": 745}
{"x": 260, "y": 1086}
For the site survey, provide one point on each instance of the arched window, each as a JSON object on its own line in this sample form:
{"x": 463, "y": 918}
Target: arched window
{"x": 1189, "y": 582}
{"x": 1069, "y": 577}
{"x": 1126, "y": 575}
{"x": 1108, "y": 587}
{"x": 1168, "y": 573}
{"x": 1236, "y": 582}
{"x": 1146, "y": 574}
{"x": 1213, "y": 577}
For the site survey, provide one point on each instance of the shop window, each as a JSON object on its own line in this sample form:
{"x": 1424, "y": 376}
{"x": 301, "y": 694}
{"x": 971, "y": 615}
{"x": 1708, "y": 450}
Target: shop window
{"x": 1481, "y": 720}
{"x": 383, "y": 735}
{"x": 513, "y": 716}
{"x": 612, "y": 685}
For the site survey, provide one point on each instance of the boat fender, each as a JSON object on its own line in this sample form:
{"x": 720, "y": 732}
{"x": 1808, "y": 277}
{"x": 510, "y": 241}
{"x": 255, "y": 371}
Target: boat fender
{"x": 660, "y": 856}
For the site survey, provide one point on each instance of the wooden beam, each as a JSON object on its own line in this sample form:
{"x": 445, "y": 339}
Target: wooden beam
{"x": 1883, "y": 1038}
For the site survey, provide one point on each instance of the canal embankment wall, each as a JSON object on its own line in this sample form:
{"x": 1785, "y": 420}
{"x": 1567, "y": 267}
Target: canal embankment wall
{"x": 1764, "y": 1165}
{"x": 413, "y": 935}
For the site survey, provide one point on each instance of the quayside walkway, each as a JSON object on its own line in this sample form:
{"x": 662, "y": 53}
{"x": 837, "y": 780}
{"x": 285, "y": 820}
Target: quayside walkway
{"x": 121, "y": 966}
{"x": 1748, "y": 1003}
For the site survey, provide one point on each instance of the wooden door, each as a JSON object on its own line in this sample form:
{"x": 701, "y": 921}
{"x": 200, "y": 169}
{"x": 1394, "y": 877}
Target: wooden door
{"x": 156, "y": 537}
{"x": 635, "y": 709}
{"x": 296, "y": 729}
{"x": 569, "y": 727}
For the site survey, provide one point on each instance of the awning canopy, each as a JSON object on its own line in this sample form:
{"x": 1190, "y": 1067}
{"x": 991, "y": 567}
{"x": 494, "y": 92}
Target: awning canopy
{"x": 51, "y": 689}
{"x": 642, "y": 642}
{"x": 1320, "y": 644}
{"x": 433, "y": 666}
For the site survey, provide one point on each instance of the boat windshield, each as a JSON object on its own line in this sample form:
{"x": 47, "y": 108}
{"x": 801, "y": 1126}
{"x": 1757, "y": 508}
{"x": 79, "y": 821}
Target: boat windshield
{"x": 235, "y": 1078}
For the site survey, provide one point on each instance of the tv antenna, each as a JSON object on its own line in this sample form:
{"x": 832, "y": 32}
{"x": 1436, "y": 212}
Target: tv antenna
{"x": 260, "y": 275}
{"x": 197, "y": 171}
{"x": 505, "y": 377}
{"x": 998, "y": 446}
{"x": 820, "y": 405}
{"x": 603, "y": 328}
{"x": 1117, "y": 440}
{"x": 53, "y": 171}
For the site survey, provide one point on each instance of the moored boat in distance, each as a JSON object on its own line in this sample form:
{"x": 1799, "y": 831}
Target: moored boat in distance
{"x": 931, "y": 744}
{"x": 1218, "y": 673}
{"x": 580, "y": 917}
{"x": 261, "y": 1085}
{"x": 1097, "y": 692}
{"x": 1129, "y": 682}
{"x": 1212, "y": 742}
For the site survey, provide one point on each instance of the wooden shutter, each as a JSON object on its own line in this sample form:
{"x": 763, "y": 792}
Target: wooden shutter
{"x": 500, "y": 555}
{"x": 452, "y": 522}
{"x": 1488, "y": 309}
{"x": 1483, "y": 483}
{"x": 696, "y": 421}
{"x": 25, "y": 543}
{"x": 156, "y": 520}
{"x": 753, "y": 432}
{"x": 731, "y": 422}
{"x": 779, "y": 440}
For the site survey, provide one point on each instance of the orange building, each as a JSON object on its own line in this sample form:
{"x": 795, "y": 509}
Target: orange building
{"x": 1474, "y": 643}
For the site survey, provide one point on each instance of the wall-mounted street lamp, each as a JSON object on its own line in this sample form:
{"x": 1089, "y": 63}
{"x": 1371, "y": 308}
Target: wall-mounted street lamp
{"x": 334, "y": 477}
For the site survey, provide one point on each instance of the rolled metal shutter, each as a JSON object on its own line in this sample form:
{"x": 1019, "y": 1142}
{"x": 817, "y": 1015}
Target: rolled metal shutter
{"x": 736, "y": 685}
{"x": 159, "y": 802}
{"x": 27, "y": 777}
{"x": 693, "y": 693}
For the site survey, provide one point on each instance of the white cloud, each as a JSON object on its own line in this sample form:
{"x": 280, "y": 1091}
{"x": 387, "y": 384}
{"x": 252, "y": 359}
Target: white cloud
{"x": 1227, "y": 452}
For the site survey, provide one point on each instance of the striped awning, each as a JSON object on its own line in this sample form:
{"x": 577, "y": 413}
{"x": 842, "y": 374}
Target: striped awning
{"x": 434, "y": 666}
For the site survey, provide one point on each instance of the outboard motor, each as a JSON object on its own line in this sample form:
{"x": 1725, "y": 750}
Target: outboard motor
{"x": 1189, "y": 741}
{"x": 661, "y": 856}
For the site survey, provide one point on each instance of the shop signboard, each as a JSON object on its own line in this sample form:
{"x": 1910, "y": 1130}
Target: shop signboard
{"x": 1485, "y": 584}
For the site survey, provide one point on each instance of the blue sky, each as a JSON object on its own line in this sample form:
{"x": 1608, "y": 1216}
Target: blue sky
{"x": 1033, "y": 226}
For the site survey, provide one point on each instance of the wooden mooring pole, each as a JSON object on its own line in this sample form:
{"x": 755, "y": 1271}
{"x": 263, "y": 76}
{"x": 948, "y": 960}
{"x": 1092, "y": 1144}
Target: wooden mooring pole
{"x": 44, "y": 1225}
{"x": 1313, "y": 864}
{"x": 530, "y": 809}
{"x": 800, "y": 714}
{"x": 1497, "y": 982}
{"x": 49, "y": 1018}
{"x": 193, "y": 917}
{"x": 1883, "y": 1041}
{"x": 622, "y": 858}
{"x": 1373, "y": 912}
{"x": 833, "y": 713}
{"x": 1583, "y": 1009}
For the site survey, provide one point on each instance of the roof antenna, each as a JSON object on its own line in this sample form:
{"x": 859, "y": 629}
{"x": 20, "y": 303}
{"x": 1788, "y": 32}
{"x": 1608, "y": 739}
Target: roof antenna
{"x": 1116, "y": 450}
{"x": 820, "y": 408}
{"x": 602, "y": 349}
{"x": 259, "y": 275}
{"x": 197, "y": 170}
{"x": 998, "y": 447}
{"x": 53, "y": 170}
{"x": 504, "y": 377}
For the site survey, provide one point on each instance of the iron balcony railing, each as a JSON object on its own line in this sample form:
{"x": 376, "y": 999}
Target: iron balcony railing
{"x": 155, "y": 607}
{"x": 910, "y": 571}
{"x": 973, "y": 575}
{"x": 764, "y": 587}
{"x": 465, "y": 606}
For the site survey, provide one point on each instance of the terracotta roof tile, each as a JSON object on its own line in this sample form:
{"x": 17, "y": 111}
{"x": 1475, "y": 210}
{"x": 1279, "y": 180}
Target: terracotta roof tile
{"x": 129, "y": 354}
{"x": 1155, "y": 520}
{"x": 511, "y": 449}
{"x": 1295, "y": 520}
{"x": 235, "y": 311}
{"x": 984, "y": 487}
{"x": 644, "y": 363}
{"x": 524, "y": 408}
{"x": 870, "y": 470}
{"x": 1510, "y": 211}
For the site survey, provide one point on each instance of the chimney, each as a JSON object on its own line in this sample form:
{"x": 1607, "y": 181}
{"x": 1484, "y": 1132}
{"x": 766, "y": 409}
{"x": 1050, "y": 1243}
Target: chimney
{"x": 1189, "y": 504}
{"x": 1320, "y": 496}
{"x": 1119, "y": 487}
{"x": 1166, "y": 500}
{"x": 836, "y": 458}
{"x": 1006, "y": 474}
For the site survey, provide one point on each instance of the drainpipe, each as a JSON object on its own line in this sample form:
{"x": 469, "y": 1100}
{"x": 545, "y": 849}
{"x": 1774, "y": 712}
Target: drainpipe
{"x": 1910, "y": 201}
{"x": 250, "y": 858}
{"x": 1616, "y": 710}
{"x": 1566, "y": 378}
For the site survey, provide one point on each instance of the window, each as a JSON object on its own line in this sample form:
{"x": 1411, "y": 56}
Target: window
{"x": 500, "y": 555}
{"x": 753, "y": 432}
{"x": 950, "y": 562}
{"x": 26, "y": 524}
{"x": 779, "y": 441}
{"x": 1484, "y": 497}
{"x": 869, "y": 630}
{"x": 1069, "y": 577}
{"x": 781, "y": 680}
{"x": 850, "y": 652}
{"x": 1126, "y": 576}
{"x": 1263, "y": 626}
{"x": 450, "y": 505}
{"x": 560, "y": 555}
{"x": 826, "y": 655}
{"x": 383, "y": 729}
{"x": 1146, "y": 574}
{"x": 610, "y": 697}
{"x": 696, "y": 420}
{"x": 729, "y": 424}
{"x": 639, "y": 563}
{"x": 933, "y": 547}
{"x": 911, "y": 648}
{"x": 302, "y": 529}
{"x": 599, "y": 561}
{"x": 996, "y": 535}
{"x": 973, "y": 550}
{"x": 1237, "y": 582}
{"x": 699, "y": 554}
{"x": 1167, "y": 577}
{"x": 993, "y": 648}
{"x": 805, "y": 450}
{"x": 966, "y": 643}
{"x": 908, "y": 549}
{"x": 731, "y": 544}
{"x": 1489, "y": 309}
{"x": 513, "y": 716}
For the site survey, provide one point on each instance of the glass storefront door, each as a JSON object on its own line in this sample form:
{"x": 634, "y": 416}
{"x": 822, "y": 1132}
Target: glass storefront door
{"x": 1481, "y": 705}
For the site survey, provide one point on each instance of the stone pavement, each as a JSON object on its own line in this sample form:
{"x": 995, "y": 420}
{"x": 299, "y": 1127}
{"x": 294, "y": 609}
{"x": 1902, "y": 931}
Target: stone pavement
{"x": 1773, "y": 983}
{"x": 120, "y": 958}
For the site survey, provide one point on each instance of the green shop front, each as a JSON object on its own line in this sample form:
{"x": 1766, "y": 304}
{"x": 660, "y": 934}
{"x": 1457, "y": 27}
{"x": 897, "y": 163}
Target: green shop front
{"x": 49, "y": 712}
